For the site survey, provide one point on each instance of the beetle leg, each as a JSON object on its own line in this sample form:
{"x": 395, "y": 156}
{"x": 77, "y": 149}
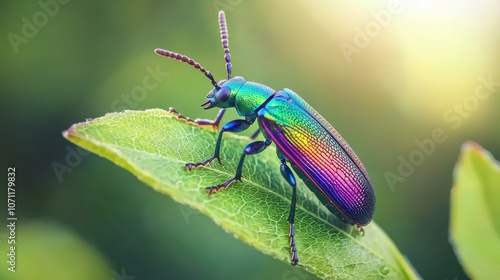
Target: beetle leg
{"x": 200, "y": 122}
{"x": 232, "y": 126}
{"x": 288, "y": 175}
{"x": 251, "y": 149}
{"x": 360, "y": 230}
{"x": 255, "y": 134}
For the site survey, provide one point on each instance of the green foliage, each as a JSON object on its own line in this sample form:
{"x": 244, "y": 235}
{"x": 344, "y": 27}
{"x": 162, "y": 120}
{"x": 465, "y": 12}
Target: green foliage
{"x": 475, "y": 212}
{"x": 154, "y": 145}
{"x": 47, "y": 250}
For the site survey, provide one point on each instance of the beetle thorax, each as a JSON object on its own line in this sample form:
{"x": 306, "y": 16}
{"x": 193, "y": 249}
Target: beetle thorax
{"x": 250, "y": 97}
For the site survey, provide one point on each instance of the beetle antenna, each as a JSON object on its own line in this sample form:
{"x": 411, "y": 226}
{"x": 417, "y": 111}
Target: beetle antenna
{"x": 189, "y": 61}
{"x": 225, "y": 42}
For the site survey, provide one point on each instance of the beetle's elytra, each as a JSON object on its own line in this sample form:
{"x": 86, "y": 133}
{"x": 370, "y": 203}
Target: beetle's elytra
{"x": 304, "y": 139}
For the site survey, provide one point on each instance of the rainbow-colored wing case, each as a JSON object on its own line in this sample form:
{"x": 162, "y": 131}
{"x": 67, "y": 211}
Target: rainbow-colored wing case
{"x": 320, "y": 156}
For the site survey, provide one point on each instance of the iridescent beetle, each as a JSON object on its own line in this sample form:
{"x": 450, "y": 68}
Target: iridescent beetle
{"x": 304, "y": 139}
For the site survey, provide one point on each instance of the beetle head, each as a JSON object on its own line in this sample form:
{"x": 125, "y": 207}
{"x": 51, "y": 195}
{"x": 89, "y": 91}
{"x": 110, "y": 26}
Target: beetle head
{"x": 224, "y": 95}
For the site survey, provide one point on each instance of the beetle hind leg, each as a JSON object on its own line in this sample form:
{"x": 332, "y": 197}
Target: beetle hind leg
{"x": 360, "y": 230}
{"x": 286, "y": 172}
{"x": 200, "y": 122}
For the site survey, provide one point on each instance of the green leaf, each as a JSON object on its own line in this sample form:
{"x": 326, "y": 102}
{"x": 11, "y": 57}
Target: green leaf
{"x": 154, "y": 145}
{"x": 475, "y": 212}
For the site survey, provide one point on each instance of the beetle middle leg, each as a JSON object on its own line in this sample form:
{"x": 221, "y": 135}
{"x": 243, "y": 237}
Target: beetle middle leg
{"x": 200, "y": 122}
{"x": 288, "y": 175}
{"x": 232, "y": 126}
{"x": 251, "y": 149}
{"x": 255, "y": 134}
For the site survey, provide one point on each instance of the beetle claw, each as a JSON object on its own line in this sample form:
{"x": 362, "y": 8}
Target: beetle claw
{"x": 294, "y": 259}
{"x": 191, "y": 166}
{"x": 360, "y": 230}
{"x": 209, "y": 190}
{"x": 215, "y": 189}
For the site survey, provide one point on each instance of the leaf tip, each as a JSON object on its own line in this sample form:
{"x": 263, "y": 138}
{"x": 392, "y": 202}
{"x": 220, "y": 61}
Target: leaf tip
{"x": 469, "y": 146}
{"x": 70, "y": 132}
{"x": 472, "y": 148}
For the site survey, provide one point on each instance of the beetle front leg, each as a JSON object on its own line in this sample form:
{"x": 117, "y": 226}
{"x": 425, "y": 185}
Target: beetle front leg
{"x": 200, "y": 122}
{"x": 251, "y": 149}
{"x": 288, "y": 175}
{"x": 232, "y": 126}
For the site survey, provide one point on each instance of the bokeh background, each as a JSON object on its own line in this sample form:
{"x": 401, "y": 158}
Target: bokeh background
{"x": 82, "y": 217}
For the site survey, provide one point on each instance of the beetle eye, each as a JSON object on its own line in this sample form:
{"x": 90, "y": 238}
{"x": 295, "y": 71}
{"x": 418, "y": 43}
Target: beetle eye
{"x": 223, "y": 94}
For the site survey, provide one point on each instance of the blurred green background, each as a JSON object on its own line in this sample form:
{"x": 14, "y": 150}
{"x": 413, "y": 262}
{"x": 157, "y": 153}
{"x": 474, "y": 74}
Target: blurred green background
{"x": 413, "y": 71}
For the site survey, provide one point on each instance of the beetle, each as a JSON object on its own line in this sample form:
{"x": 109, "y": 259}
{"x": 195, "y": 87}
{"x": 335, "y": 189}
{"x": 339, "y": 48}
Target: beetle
{"x": 303, "y": 138}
